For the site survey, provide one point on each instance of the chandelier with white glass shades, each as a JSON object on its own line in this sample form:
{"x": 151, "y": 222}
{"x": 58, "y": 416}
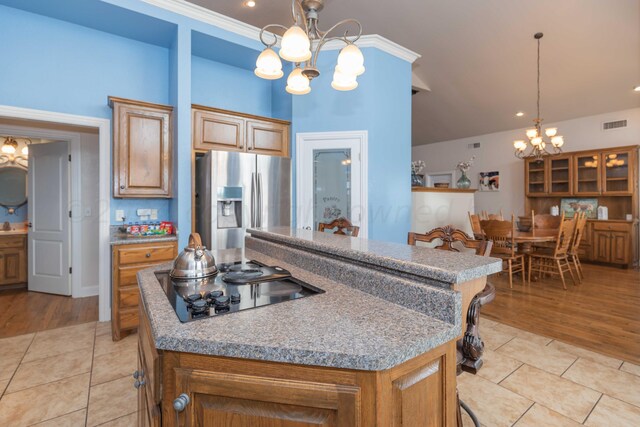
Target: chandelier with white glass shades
{"x": 537, "y": 140}
{"x": 301, "y": 43}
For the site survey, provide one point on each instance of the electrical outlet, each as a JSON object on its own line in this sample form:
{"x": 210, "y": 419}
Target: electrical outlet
{"x": 119, "y": 215}
{"x": 143, "y": 212}
{"x": 154, "y": 213}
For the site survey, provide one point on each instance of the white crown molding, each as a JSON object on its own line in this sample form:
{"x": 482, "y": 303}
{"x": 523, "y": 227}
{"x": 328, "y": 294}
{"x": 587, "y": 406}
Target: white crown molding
{"x": 381, "y": 43}
{"x": 208, "y": 16}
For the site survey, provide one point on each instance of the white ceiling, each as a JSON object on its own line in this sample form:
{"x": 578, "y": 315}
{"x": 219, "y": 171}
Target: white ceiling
{"x": 478, "y": 57}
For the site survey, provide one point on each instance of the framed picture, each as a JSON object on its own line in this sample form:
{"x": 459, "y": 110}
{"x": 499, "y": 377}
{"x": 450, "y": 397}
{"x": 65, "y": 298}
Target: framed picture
{"x": 489, "y": 181}
{"x": 571, "y": 206}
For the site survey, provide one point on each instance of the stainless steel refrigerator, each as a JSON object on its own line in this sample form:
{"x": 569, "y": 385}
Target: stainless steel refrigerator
{"x": 236, "y": 191}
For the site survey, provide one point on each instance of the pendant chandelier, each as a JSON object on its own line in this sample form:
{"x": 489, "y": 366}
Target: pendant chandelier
{"x": 537, "y": 140}
{"x": 301, "y": 44}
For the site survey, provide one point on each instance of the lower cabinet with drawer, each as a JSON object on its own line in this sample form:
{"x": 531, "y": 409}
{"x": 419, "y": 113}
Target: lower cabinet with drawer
{"x": 13, "y": 259}
{"x": 128, "y": 259}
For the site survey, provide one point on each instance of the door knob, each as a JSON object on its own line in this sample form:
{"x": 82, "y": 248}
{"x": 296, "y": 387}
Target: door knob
{"x": 181, "y": 402}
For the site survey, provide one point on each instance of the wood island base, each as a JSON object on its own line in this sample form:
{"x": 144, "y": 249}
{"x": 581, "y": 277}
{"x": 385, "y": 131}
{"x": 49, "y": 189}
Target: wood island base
{"x": 225, "y": 391}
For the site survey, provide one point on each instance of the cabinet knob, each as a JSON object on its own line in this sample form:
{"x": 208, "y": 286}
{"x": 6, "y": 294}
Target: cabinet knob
{"x": 139, "y": 383}
{"x": 148, "y": 255}
{"x": 181, "y": 402}
{"x": 138, "y": 374}
{"x": 122, "y": 187}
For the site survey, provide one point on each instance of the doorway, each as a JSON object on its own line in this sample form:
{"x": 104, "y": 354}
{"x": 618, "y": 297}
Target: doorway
{"x": 331, "y": 178}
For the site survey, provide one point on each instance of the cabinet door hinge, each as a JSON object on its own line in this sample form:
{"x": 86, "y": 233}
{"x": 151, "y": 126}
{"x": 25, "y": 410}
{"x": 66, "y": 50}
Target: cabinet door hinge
{"x": 70, "y": 270}
{"x": 69, "y": 214}
{"x": 69, "y": 157}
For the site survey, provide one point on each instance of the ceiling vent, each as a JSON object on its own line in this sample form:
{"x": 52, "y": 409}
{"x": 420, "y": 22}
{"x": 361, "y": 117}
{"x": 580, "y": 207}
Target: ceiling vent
{"x": 614, "y": 125}
{"x": 474, "y": 145}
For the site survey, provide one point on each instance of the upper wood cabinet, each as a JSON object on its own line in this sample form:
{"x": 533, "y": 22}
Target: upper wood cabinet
{"x": 216, "y": 129}
{"x": 142, "y": 161}
{"x": 559, "y": 175}
{"x": 617, "y": 172}
{"x": 535, "y": 176}
{"x": 583, "y": 174}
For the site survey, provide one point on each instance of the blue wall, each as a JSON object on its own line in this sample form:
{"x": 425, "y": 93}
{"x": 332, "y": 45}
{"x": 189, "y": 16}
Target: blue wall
{"x": 154, "y": 55}
{"x": 19, "y": 216}
{"x": 69, "y": 68}
{"x": 381, "y": 105}
{"x": 228, "y": 87}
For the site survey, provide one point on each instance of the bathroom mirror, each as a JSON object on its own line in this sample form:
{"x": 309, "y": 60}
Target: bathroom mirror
{"x": 13, "y": 187}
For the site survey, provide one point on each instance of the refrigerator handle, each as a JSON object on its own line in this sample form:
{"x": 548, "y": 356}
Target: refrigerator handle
{"x": 253, "y": 200}
{"x": 260, "y": 206}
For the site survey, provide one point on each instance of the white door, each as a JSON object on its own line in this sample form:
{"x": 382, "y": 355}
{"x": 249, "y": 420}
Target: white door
{"x": 48, "y": 255}
{"x": 331, "y": 178}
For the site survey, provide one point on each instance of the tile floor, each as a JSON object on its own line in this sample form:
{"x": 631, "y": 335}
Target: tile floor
{"x": 68, "y": 377}
{"x": 76, "y": 376}
{"x": 529, "y": 380}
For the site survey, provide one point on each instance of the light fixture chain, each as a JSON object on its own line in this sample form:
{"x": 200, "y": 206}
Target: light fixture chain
{"x": 538, "y": 81}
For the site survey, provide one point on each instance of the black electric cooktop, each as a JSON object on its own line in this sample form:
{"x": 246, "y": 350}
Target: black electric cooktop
{"x": 238, "y": 286}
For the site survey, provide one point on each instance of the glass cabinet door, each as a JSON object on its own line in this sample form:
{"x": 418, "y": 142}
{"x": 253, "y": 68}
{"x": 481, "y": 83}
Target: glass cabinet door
{"x": 535, "y": 176}
{"x": 587, "y": 174}
{"x": 615, "y": 173}
{"x": 560, "y": 176}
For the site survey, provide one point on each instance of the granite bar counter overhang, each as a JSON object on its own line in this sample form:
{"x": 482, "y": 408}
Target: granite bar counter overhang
{"x": 437, "y": 267}
{"x": 389, "y": 322}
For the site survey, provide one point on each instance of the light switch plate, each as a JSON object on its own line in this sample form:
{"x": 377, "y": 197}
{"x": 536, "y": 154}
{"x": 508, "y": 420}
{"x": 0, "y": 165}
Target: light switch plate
{"x": 154, "y": 213}
{"x": 119, "y": 215}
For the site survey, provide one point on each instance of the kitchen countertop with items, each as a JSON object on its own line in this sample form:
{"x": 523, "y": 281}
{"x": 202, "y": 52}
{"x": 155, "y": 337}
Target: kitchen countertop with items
{"x": 367, "y": 318}
{"x": 118, "y": 237}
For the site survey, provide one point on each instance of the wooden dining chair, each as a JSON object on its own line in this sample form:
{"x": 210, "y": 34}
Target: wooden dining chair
{"x": 581, "y": 223}
{"x": 545, "y": 221}
{"x": 504, "y": 246}
{"x": 555, "y": 262}
{"x": 486, "y": 215}
{"x": 475, "y": 225}
{"x": 342, "y": 225}
{"x": 450, "y": 235}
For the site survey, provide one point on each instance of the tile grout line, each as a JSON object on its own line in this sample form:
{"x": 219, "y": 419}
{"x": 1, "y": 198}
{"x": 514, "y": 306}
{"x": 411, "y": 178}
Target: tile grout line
{"x": 55, "y": 418}
{"x": 116, "y": 419}
{"x": 569, "y": 367}
{"x": 502, "y": 345}
{"x": 505, "y": 378}
{"x": 4, "y": 392}
{"x": 533, "y": 402}
{"x": 594, "y": 407}
{"x": 93, "y": 352}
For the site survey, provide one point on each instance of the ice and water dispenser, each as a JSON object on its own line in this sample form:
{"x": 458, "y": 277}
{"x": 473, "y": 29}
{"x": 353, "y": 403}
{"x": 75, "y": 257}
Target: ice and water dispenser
{"x": 229, "y": 207}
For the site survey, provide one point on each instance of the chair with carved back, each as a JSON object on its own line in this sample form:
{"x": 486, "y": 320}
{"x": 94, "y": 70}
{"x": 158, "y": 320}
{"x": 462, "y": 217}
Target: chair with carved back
{"x": 555, "y": 262}
{"x": 581, "y": 223}
{"x": 474, "y": 219}
{"x": 342, "y": 225}
{"x": 471, "y": 347}
{"x": 502, "y": 233}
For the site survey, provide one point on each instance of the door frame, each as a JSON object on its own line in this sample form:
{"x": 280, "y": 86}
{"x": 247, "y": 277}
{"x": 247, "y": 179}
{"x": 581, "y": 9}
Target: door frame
{"x": 362, "y": 141}
{"x": 104, "y": 150}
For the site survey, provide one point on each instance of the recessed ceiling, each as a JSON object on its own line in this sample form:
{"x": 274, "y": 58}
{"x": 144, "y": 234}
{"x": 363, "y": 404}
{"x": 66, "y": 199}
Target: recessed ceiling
{"x": 478, "y": 57}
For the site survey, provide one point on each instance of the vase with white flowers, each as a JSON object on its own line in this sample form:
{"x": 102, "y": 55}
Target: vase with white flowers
{"x": 464, "y": 182}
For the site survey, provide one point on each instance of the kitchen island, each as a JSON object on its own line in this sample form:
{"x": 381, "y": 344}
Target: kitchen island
{"x": 376, "y": 348}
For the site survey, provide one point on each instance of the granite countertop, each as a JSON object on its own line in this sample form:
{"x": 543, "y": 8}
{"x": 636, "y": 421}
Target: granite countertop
{"x": 434, "y": 264}
{"x": 342, "y": 328}
{"x": 117, "y": 237}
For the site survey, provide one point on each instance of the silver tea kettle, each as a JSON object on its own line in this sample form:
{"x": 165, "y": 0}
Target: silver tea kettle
{"x": 194, "y": 262}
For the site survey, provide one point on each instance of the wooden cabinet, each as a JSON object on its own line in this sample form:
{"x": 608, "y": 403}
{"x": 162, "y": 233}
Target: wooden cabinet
{"x": 559, "y": 175}
{"x": 227, "y": 391}
{"x": 612, "y": 242}
{"x": 216, "y": 129}
{"x": 142, "y": 149}
{"x": 127, "y": 261}
{"x": 587, "y": 174}
{"x": 535, "y": 177}
{"x": 13, "y": 259}
{"x": 616, "y": 167}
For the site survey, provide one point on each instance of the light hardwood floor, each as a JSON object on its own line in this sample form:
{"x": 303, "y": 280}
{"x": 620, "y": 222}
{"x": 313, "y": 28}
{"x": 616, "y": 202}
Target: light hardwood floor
{"x": 23, "y": 312}
{"x": 601, "y": 314}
